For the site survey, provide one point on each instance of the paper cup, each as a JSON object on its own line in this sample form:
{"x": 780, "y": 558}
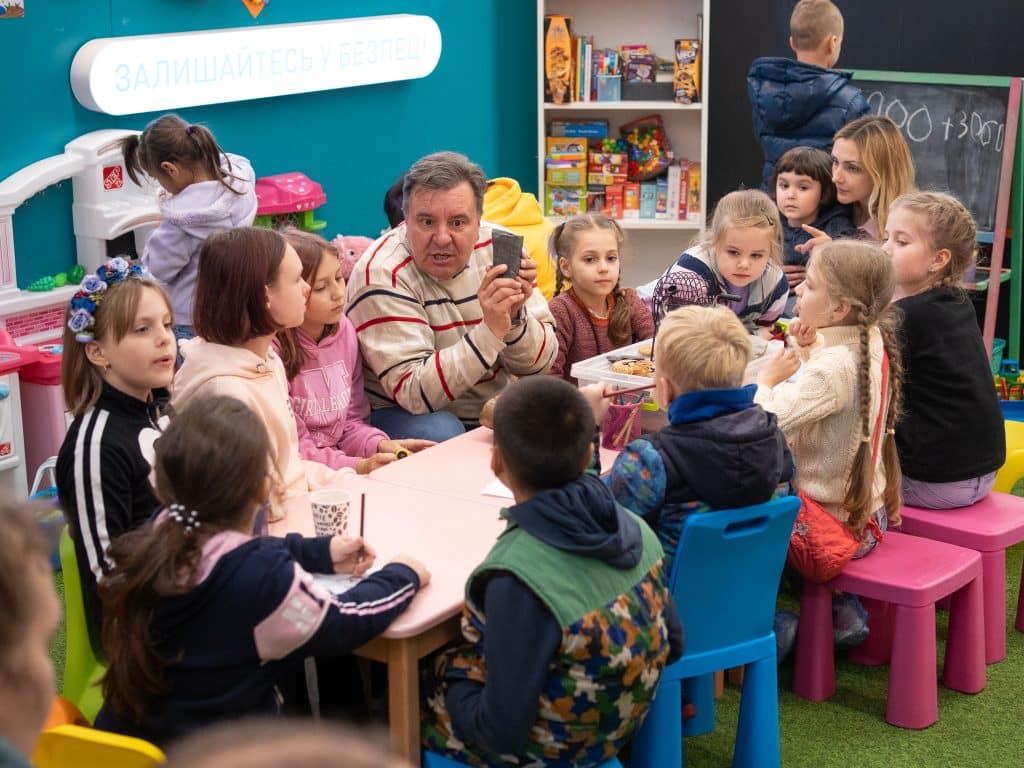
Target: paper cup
{"x": 330, "y": 511}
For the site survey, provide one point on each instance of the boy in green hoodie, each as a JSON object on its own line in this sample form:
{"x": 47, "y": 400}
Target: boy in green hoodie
{"x": 568, "y": 622}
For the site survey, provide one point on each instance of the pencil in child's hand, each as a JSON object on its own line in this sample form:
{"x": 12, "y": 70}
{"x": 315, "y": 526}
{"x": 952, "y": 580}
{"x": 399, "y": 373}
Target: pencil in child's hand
{"x": 362, "y": 513}
{"x": 630, "y": 391}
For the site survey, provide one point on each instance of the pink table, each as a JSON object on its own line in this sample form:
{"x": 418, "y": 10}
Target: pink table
{"x": 458, "y": 468}
{"x": 451, "y": 536}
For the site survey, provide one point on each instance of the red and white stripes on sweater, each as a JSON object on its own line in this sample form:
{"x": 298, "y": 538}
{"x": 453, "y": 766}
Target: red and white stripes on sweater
{"x": 424, "y": 344}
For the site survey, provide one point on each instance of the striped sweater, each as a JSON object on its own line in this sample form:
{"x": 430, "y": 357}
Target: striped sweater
{"x": 254, "y": 613}
{"x": 425, "y": 346}
{"x": 103, "y": 483}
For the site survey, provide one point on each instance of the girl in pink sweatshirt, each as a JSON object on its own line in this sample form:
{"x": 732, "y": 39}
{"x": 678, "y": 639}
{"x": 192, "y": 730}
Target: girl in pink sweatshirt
{"x": 325, "y": 370}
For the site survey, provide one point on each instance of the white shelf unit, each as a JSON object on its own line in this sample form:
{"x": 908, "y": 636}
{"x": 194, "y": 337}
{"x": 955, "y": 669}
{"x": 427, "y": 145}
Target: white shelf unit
{"x": 653, "y": 244}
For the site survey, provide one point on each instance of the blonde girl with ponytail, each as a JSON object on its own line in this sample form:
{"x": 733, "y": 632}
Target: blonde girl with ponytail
{"x": 931, "y": 238}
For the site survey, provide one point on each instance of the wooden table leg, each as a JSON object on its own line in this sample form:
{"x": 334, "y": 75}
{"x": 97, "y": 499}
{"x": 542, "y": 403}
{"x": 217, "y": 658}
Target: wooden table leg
{"x": 404, "y": 699}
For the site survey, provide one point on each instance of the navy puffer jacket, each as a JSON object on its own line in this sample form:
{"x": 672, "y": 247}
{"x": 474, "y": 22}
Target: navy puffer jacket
{"x": 799, "y": 105}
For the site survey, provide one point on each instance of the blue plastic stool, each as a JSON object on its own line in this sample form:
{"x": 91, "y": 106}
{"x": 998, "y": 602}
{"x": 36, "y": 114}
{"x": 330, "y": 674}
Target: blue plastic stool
{"x": 725, "y": 580}
{"x": 434, "y": 760}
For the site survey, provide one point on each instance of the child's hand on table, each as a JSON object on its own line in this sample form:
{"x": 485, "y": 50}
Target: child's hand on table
{"x": 353, "y": 556}
{"x": 416, "y": 565}
{"x": 412, "y": 445}
{"x": 367, "y": 465}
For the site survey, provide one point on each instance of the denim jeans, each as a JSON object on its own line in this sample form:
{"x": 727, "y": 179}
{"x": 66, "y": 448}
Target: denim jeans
{"x": 961, "y": 493}
{"x": 400, "y": 424}
{"x": 182, "y": 333}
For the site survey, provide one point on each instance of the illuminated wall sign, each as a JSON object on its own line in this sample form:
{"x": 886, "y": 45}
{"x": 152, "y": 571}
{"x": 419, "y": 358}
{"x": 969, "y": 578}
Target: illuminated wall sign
{"x": 150, "y": 73}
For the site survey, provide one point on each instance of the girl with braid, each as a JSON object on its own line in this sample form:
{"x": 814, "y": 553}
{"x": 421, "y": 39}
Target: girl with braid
{"x": 830, "y": 415}
{"x": 596, "y": 314}
{"x": 931, "y": 238}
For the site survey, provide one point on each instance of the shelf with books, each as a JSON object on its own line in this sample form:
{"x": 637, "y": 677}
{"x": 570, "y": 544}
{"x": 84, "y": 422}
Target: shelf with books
{"x": 622, "y": 106}
{"x": 655, "y": 240}
{"x": 681, "y": 224}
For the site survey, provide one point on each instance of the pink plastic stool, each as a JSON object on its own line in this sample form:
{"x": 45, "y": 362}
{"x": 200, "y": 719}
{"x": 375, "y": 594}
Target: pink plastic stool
{"x": 911, "y": 573}
{"x": 988, "y": 527}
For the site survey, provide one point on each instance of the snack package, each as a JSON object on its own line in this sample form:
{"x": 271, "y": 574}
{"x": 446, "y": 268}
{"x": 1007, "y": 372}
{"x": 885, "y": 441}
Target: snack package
{"x": 557, "y": 59}
{"x": 686, "y": 71}
{"x": 649, "y": 149}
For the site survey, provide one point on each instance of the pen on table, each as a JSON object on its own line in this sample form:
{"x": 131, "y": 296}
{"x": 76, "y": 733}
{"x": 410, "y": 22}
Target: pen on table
{"x": 362, "y": 513}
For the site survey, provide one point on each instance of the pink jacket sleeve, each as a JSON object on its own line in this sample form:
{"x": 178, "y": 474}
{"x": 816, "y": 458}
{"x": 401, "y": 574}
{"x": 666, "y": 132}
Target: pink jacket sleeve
{"x": 359, "y": 436}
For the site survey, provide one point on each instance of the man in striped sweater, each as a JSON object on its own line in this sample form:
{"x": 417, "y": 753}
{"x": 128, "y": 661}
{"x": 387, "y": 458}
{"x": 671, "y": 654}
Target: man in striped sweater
{"x": 441, "y": 331}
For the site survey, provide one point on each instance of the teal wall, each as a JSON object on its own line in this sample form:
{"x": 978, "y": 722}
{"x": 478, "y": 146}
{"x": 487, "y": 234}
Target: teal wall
{"x": 480, "y": 100}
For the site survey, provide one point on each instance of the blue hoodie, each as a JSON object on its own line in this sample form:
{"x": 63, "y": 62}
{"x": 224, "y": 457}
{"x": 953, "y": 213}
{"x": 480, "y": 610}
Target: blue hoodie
{"x": 799, "y": 105}
{"x": 522, "y": 636}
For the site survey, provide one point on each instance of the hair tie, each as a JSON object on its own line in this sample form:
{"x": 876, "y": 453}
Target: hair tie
{"x": 91, "y": 292}
{"x": 866, "y": 439}
{"x": 188, "y": 129}
{"x": 188, "y": 518}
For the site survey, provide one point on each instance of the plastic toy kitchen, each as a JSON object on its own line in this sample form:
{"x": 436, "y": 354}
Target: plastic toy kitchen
{"x": 111, "y": 215}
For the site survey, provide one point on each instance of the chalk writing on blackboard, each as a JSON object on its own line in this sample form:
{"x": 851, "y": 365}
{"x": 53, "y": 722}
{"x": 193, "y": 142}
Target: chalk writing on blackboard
{"x": 956, "y": 134}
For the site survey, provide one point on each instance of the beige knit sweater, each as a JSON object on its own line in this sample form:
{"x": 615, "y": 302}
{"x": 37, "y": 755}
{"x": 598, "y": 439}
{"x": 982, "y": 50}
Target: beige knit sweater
{"x": 820, "y": 414}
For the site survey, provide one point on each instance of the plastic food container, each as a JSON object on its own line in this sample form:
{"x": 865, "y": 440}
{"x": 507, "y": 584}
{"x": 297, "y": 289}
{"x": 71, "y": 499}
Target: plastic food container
{"x": 598, "y": 370}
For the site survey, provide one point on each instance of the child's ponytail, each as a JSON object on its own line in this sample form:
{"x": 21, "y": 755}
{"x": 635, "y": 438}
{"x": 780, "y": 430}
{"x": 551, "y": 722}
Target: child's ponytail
{"x": 131, "y": 148}
{"x": 209, "y": 155}
{"x": 861, "y": 273}
{"x": 553, "y": 247}
{"x": 212, "y": 465}
{"x": 620, "y": 321}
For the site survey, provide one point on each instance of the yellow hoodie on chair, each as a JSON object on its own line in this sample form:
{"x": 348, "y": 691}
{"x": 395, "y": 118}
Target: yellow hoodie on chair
{"x": 506, "y": 204}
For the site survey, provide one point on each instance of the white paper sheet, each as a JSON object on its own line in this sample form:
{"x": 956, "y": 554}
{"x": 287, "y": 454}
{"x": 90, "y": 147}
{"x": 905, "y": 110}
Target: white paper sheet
{"x": 497, "y": 488}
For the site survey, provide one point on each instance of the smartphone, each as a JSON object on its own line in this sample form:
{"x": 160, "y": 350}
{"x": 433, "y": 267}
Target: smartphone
{"x": 508, "y": 250}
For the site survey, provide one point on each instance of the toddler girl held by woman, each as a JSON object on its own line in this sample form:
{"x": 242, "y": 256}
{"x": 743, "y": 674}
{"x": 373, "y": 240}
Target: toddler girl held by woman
{"x": 805, "y": 194}
{"x": 741, "y": 256}
{"x": 117, "y": 365}
{"x": 201, "y": 619}
{"x": 596, "y": 314}
{"x": 951, "y": 439}
{"x": 205, "y": 190}
{"x": 325, "y": 370}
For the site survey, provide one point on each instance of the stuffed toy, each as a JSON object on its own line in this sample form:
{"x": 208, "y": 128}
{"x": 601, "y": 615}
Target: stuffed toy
{"x": 350, "y": 248}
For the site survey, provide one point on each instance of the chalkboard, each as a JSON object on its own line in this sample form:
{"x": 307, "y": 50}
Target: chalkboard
{"x": 956, "y": 132}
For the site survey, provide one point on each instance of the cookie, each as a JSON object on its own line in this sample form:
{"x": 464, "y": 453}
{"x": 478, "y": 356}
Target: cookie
{"x": 646, "y": 350}
{"x": 634, "y": 367}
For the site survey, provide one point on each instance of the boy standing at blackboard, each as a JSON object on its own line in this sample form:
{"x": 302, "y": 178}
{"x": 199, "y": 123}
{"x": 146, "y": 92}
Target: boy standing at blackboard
{"x": 803, "y": 102}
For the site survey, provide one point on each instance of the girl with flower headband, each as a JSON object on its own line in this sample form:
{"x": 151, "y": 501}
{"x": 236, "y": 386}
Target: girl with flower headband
{"x": 741, "y": 255}
{"x": 205, "y": 190}
{"x": 118, "y": 362}
{"x": 201, "y": 620}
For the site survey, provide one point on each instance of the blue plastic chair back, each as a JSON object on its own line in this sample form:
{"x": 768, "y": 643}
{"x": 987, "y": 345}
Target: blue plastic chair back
{"x": 725, "y": 577}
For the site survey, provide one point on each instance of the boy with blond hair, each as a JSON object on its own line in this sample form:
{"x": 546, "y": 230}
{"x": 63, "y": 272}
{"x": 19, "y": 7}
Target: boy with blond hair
{"x": 720, "y": 450}
{"x": 803, "y": 102}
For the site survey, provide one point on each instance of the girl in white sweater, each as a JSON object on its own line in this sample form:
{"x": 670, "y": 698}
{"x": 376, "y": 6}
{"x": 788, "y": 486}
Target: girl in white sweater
{"x": 830, "y": 414}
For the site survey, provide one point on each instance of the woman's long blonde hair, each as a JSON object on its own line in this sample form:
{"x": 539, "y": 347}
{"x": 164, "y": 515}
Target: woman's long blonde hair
{"x": 861, "y": 273}
{"x": 884, "y": 154}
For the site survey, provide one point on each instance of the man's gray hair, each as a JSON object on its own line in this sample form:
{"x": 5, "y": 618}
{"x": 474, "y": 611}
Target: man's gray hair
{"x": 444, "y": 171}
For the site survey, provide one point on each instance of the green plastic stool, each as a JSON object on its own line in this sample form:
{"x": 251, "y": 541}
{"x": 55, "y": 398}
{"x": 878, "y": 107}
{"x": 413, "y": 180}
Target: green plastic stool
{"x": 82, "y": 670}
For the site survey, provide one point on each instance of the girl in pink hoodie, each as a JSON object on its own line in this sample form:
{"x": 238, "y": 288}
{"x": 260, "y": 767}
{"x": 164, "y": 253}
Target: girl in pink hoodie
{"x": 325, "y": 370}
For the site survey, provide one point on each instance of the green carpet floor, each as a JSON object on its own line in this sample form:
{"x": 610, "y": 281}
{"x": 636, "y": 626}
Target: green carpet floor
{"x": 849, "y": 730}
